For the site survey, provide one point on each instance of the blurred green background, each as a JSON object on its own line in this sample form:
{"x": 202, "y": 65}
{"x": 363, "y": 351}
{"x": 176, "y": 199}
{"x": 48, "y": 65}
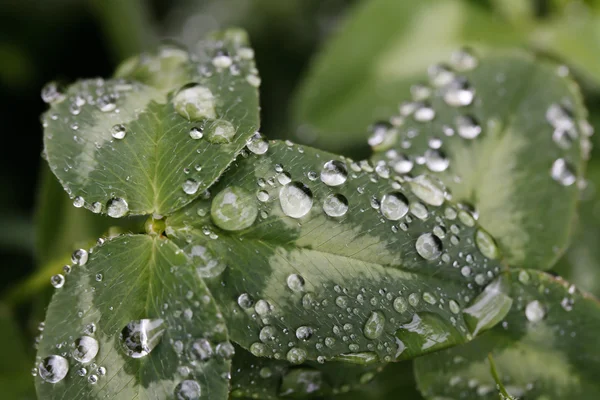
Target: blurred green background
{"x": 318, "y": 87}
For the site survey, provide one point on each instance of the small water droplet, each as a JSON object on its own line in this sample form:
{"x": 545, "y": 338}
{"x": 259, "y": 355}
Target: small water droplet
{"x": 295, "y": 282}
{"x": 57, "y": 281}
{"x": 334, "y": 173}
{"x": 467, "y": 127}
{"x": 245, "y": 300}
{"x": 118, "y": 131}
{"x": 429, "y": 246}
{"x": 335, "y": 205}
{"x": 140, "y": 337}
{"x": 427, "y": 189}
{"x": 535, "y": 311}
{"x": 374, "y": 326}
{"x": 459, "y": 93}
{"x": 394, "y": 206}
{"x": 195, "y": 102}
{"x": 220, "y": 131}
{"x": 296, "y": 355}
{"x": 234, "y": 209}
{"x": 196, "y": 133}
{"x": 188, "y": 390}
{"x": 190, "y": 186}
{"x": 78, "y": 202}
{"x": 85, "y": 349}
{"x": 117, "y": 207}
{"x": 486, "y": 244}
{"x": 257, "y": 144}
{"x": 562, "y": 172}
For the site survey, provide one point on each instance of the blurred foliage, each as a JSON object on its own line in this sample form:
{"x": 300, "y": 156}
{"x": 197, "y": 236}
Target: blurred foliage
{"x": 66, "y": 39}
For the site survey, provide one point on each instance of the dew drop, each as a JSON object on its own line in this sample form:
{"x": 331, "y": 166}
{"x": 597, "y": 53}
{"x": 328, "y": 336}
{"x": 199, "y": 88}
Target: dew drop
{"x": 53, "y": 369}
{"x": 190, "y": 186}
{"x": 140, "y": 337}
{"x": 464, "y": 59}
{"x": 335, "y": 205}
{"x": 85, "y": 349}
{"x": 188, "y": 390}
{"x": 429, "y": 246}
{"x": 79, "y": 257}
{"x": 78, "y": 202}
{"x": 486, "y": 244}
{"x": 118, "y": 131}
{"x": 394, "y": 206}
{"x": 196, "y": 133}
{"x": 534, "y": 311}
{"x": 374, "y": 326}
{"x": 562, "y": 172}
{"x": 467, "y": 127}
{"x": 57, "y": 281}
{"x": 295, "y": 282}
{"x": 334, "y": 173}
{"x": 234, "y": 209}
{"x": 117, "y": 207}
{"x": 459, "y": 93}
{"x": 225, "y": 350}
{"x": 257, "y": 144}
{"x": 245, "y": 300}
{"x": 400, "y": 305}
{"x": 295, "y": 199}
{"x": 304, "y": 332}
{"x": 296, "y": 355}
{"x": 436, "y": 160}
{"x": 440, "y": 74}
{"x": 195, "y": 102}
{"x": 428, "y": 190}
{"x": 220, "y": 131}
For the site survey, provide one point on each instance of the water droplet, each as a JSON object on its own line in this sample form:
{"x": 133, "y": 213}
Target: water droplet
{"x": 394, "y": 206}
{"x": 107, "y": 102}
{"x": 79, "y": 257}
{"x": 296, "y": 355}
{"x": 117, "y": 207}
{"x": 262, "y": 196}
{"x": 464, "y": 59}
{"x": 295, "y": 199}
{"x": 118, "y": 131}
{"x": 207, "y": 264}
{"x": 262, "y": 307}
{"x": 245, "y": 300}
{"x": 267, "y": 333}
{"x": 190, "y": 186}
{"x": 335, "y": 205}
{"x": 53, "y": 369}
{"x": 562, "y": 172}
{"x": 304, "y": 332}
{"x": 429, "y": 298}
{"x": 436, "y": 160}
{"x": 222, "y": 60}
{"x": 188, "y": 390}
{"x": 454, "y": 307}
{"x": 257, "y": 144}
{"x": 467, "y": 127}
{"x": 440, "y": 74}
{"x": 196, "y": 133}
{"x": 534, "y": 311}
{"x": 195, "y": 102}
{"x": 258, "y": 349}
{"x": 490, "y": 307}
{"x": 459, "y": 93}
{"x": 334, "y": 173}
{"x": 374, "y": 326}
{"x": 201, "y": 349}
{"x": 402, "y": 164}
{"x": 295, "y": 282}
{"x": 85, "y": 349}
{"x": 220, "y": 131}
{"x": 78, "y": 202}
{"x": 427, "y": 189}
{"x": 225, "y": 350}
{"x": 413, "y": 299}
{"x": 234, "y": 209}
{"x": 57, "y": 281}
{"x": 524, "y": 277}
{"x": 51, "y": 93}
{"x": 429, "y": 246}
{"x": 140, "y": 337}
{"x": 400, "y": 305}
{"x": 486, "y": 244}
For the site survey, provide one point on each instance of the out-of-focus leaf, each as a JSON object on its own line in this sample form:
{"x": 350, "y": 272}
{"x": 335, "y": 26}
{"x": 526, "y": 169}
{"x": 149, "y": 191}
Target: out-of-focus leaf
{"x": 383, "y": 48}
{"x": 16, "y": 381}
{"x": 546, "y": 348}
{"x": 508, "y": 135}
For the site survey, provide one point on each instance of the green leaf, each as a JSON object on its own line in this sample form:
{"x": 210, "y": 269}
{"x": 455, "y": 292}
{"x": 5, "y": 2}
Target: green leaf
{"x": 581, "y": 262}
{"x": 546, "y": 348}
{"x": 383, "y": 48}
{"x": 134, "y": 282}
{"x": 15, "y": 365}
{"x": 266, "y": 379}
{"x": 386, "y": 279}
{"x": 508, "y": 136}
{"x": 132, "y": 144}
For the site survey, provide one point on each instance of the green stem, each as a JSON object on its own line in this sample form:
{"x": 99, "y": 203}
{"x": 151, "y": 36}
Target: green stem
{"x": 499, "y": 385}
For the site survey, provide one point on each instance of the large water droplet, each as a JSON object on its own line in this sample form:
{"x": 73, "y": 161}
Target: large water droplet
{"x": 374, "y": 326}
{"x": 188, "y": 390}
{"x": 334, "y": 173}
{"x": 190, "y": 186}
{"x": 245, "y": 300}
{"x": 464, "y": 60}
{"x": 53, "y": 369}
{"x": 140, "y": 337}
{"x": 394, "y": 206}
{"x": 220, "y": 131}
{"x": 295, "y": 282}
{"x": 234, "y": 209}
{"x": 429, "y": 246}
{"x": 57, "y": 281}
{"x": 440, "y": 74}
{"x": 467, "y": 126}
{"x": 257, "y": 144}
{"x": 335, "y": 205}
{"x": 85, "y": 349}
{"x": 562, "y": 172}
{"x": 295, "y": 199}
{"x": 79, "y": 257}
{"x": 201, "y": 349}
{"x": 402, "y": 164}
{"x": 428, "y": 190}
{"x": 535, "y": 311}
{"x": 486, "y": 244}
{"x": 459, "y": 93}
{"x": 207, "y": 265}
{"x": 296, "y": 355}
{"x": 117, "y": 207}
{"x": 490, "y": 307}
{"x": 195, "y": 102}
{"x": 436, "y": 160}
{"x": 118, "y": 131}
